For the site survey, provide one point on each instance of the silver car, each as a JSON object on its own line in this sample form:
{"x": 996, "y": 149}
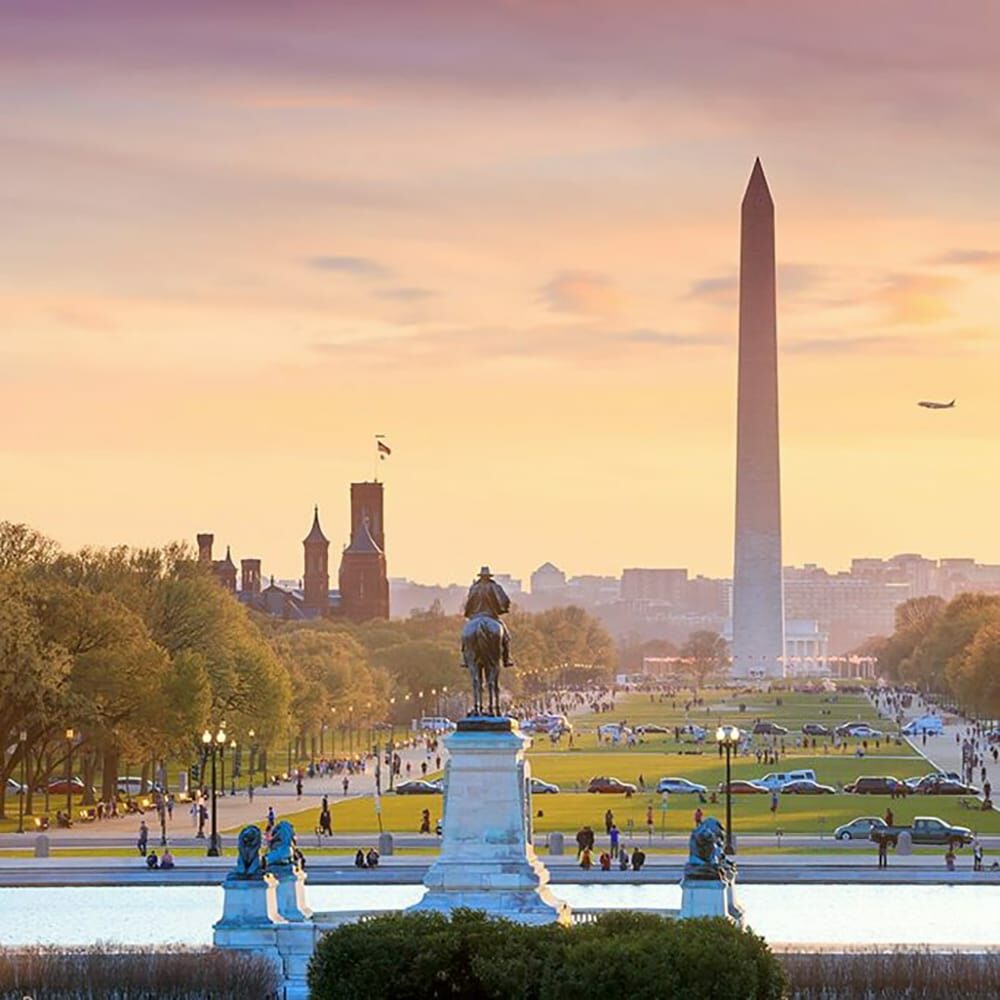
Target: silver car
{"x": 858, "y": 829}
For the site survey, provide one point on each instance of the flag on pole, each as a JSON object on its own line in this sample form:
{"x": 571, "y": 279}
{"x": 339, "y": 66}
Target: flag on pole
{"x": 383, "y": 450}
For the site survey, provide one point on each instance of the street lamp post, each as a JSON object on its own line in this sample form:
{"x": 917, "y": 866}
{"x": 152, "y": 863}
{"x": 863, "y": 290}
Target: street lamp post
{"x": 232, "y": 778}
{"x": 253, "y": 763}
{"x": 728, "y": 737}
{"x": 69, "y": 775}
{"x": 24, "y": 788}
{"x": 214, "y": 748}
{"x": 350, "y": 731}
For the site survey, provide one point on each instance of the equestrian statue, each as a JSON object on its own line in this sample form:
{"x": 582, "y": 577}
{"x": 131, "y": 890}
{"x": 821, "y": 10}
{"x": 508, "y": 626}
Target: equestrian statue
{"x": 485, "y": 641}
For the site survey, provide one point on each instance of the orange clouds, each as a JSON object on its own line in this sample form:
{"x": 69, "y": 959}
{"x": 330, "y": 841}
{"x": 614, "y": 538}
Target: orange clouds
{"x": 586, "y": 293}
{"x": 916, "y": 299}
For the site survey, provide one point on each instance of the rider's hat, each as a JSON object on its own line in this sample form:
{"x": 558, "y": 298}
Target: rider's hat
{"x": 485, "y": 571}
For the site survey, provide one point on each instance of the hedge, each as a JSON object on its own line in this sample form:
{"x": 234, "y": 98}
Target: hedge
{"x": 116, "y": 973}
{"x": 426, "y": 956}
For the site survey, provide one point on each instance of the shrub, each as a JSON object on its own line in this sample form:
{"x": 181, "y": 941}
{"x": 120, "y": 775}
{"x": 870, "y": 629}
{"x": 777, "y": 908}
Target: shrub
{"x": 642, "y": 956}
{"x": 116, "y": 973}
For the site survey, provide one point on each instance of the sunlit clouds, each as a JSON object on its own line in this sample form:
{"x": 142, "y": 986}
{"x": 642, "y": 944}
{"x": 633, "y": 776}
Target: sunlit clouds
{"x": 241, "y": 239}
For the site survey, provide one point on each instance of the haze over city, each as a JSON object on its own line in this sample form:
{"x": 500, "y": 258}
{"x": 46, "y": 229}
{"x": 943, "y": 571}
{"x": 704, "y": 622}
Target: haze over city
{"x": 507, "y": 238}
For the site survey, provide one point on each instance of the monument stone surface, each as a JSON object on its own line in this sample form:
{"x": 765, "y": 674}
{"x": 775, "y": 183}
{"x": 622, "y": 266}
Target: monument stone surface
{"x": 758, "y": 596}
{"x": 487, "y": 860}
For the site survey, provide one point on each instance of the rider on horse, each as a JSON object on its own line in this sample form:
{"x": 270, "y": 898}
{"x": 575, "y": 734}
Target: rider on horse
{"x": 487, "y": 597}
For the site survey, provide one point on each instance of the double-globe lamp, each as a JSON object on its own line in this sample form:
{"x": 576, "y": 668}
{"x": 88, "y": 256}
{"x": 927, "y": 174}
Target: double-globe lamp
{"x": 219, "y": 747}
{"x": 728, "y": 738}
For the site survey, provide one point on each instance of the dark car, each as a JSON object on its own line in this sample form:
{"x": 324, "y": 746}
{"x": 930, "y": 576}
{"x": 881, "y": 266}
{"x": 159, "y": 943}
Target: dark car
{"x": 610, "y": 786}
{"x": 805, "y": 787}
{"x": 769, "y": 729}
{"x": 651, "y": 727}
{"x": 419, "y": 787}
{"x": 59, "y": 786}
{"x": 873, "y": 786}
{"x": 739, "y": 787}
{"x": 945, "y": 786}
{"x": 815, "y": 729}
{"x": 925, "y": 830}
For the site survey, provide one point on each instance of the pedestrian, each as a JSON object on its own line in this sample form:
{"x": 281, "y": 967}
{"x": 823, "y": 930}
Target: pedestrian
{"x": 883, "y": 852}
{"x": 143, "y": 837}
{"x": 638, "y": 858}
{"x": 698, "y": 816}
{"x": 298, "y": 786}
{"x": 609, "y": 821}
{"x": 270, "y": 819}
{"x": 615, "y": 834}
{"x": 888, "y": 817}
{"x": 623, "y": 860}
{"x": 585, "y": 859}
{"x": 170, "y": 806}
{"x": 346, "y": 783}
{"x": 425, "y": 821}
{"x": 977, "y": 855}
{"x": 987, "y": 788}
{"x": 605, "y": 860}
{"x": 774, "y": 802}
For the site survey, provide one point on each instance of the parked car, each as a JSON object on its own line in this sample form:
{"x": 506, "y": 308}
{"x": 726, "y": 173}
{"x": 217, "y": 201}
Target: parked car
{"x": 764, "y": 728}
{"x": 679, "y": 786}
{"x": 651, "y": 727}
{"x": 806, "y": 787}
{"x": 539, "y": 787}
{"x": 932, "y": 725}
{"x": 945, "y": 786}
{"x": 694, "y": 732}
{"x": 434, "y": 724}
{"x": 548, "y": 722}
{"x": 873, "y": 786}
{"x": 815, "y": 729}
{"x": 610, "y": 786}
{"x": 418, "y": 786}
{"x": 739, "y": 787}
{"x": 913, "y": 783}
{"x": 59, "y": 786}
{"x": 614, "y": 730}
{"x": 925, "y": 830}
{"x": 777, "y": 780}
{"x": 858, "y": 829}
{"x": 858, "y": 730}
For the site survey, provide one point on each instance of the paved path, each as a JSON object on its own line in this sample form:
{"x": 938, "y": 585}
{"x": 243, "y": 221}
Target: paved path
{"x": 233, "y": 810}
{"x": 760, "y": 869}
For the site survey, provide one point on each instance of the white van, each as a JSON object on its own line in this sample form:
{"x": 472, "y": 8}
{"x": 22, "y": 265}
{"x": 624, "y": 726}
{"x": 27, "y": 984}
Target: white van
{"x": 433, "y": 724}
{"x": 777, "y": 780}
{"x": 930, "y": 724}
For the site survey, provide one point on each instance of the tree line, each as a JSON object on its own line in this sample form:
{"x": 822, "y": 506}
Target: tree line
{"x": 137, "y": 651}
{"x": 950, "y": 648}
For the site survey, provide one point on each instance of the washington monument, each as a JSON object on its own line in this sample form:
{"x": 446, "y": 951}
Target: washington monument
{"x": 758, "y": 599}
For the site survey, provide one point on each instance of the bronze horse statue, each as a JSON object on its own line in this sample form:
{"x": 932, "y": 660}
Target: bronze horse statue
{"x": 482, "y": 653}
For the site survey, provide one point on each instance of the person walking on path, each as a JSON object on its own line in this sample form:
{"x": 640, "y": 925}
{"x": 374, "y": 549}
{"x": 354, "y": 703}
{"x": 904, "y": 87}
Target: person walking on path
{"x": 889, "y": 817}
{"x": 774, "y": 802}
{"x": 143, "y": 837}
{"x": 615, "y": 834}
{"x": 346, "y": 783}
{"x": 609, "y": 821}
{"x": 698, "y": 816}
{"x": 977, "y": 855}
{"x": 270, "y": 819}
{"x": 883, "y": 852}
{"x": 298, "y": 786}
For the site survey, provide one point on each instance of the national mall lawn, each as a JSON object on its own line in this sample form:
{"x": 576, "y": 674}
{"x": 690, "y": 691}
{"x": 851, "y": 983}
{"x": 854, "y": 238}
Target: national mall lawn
{"x": 659, "y": 756}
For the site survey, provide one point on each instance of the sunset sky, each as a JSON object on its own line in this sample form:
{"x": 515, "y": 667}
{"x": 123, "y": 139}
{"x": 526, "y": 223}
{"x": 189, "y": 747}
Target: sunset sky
{"x": 240, "y": 238}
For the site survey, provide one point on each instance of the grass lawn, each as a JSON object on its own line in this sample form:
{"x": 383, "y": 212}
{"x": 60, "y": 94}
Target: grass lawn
{"x": 661, "y": 756}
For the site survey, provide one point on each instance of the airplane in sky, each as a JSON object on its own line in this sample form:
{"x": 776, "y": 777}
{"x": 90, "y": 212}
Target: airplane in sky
{"x": 931, "y": 405}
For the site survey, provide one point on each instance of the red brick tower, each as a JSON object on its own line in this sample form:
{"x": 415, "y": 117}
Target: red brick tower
{"x": 366, "y": 505}
{"x": 316, "y": 575}
{"x": 364, "y": 586}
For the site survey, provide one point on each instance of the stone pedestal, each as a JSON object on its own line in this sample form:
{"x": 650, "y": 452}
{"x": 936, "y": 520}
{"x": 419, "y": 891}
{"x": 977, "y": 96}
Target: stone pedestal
{"x": 487, "y": 860}
{"x": 710, "y": 898}
{"x": 250, "y": 919}
{"x": 291, "y": 893}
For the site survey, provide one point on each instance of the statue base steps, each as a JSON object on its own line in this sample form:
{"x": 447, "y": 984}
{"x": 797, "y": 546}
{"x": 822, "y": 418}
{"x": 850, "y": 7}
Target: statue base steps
{"x": 487, "y": 860}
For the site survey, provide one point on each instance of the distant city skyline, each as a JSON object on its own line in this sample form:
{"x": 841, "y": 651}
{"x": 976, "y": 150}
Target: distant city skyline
{"x": 235, "y": 248}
